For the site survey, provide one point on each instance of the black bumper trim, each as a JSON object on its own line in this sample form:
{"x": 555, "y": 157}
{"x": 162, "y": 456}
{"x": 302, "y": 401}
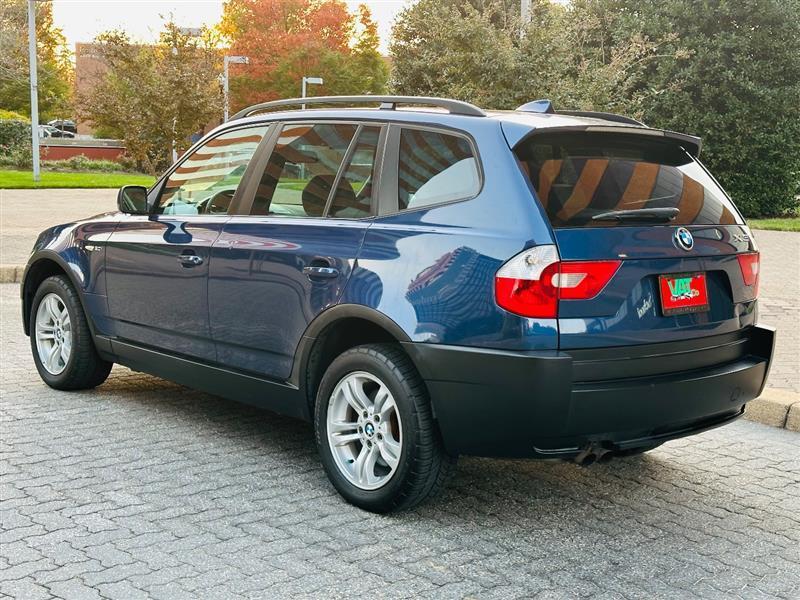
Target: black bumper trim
{"x": 528, "y": 404}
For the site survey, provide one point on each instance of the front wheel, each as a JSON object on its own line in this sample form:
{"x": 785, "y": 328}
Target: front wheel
{"x": 61, "y": 340}
{"x": 375, "y": 431}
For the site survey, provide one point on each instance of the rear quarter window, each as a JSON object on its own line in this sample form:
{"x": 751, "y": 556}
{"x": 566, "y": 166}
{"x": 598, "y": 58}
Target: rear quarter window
{"x": 434, "y": 168}
{"x": 579, "y": 176}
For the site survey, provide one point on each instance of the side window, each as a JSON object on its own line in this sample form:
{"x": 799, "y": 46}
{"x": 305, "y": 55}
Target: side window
{"x": 302, "y": 170}
{"x": 354, "y": 197}
{"x": 206, "y": 181}
{"x": 435, "y": 167}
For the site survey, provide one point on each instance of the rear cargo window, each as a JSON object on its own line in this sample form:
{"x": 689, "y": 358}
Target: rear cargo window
{"x": 581, "y": 178}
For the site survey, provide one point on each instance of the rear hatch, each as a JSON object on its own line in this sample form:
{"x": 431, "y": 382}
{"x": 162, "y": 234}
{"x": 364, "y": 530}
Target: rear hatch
{"x": 678, "y": 261}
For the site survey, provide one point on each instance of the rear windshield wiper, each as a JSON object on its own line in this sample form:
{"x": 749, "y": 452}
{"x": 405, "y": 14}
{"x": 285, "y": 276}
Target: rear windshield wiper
{"x": 639, "y": 214}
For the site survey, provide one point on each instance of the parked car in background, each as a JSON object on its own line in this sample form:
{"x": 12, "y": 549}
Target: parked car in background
{"x": 48, "y": 131}
{"x": 421, "y": 284}
{"x": 64, "y": 125}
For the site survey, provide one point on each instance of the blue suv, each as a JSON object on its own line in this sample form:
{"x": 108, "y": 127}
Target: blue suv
{"x": 421, "y": 279}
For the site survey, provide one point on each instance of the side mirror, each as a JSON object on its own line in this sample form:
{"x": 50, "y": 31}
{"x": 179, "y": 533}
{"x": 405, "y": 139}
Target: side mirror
{"x": 132, "y": 199}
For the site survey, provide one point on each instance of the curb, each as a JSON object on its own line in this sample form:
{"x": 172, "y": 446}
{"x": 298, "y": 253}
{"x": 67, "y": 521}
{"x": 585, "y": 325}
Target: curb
{"x": 774, "y": 407}
{"x": 11, "y": 273}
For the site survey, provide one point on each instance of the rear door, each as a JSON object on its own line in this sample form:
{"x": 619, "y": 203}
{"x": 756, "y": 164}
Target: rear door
{"x": 289, "y": 257}
{"x": 687, "y": 266}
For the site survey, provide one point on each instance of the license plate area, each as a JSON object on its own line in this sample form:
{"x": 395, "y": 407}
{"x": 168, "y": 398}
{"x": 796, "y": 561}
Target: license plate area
{"x": 683, "y": 293}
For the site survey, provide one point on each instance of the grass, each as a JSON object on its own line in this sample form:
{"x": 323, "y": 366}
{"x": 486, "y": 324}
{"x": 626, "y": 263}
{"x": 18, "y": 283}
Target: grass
{"x": 11, "y": 179}
{"x": 783, "y": 224}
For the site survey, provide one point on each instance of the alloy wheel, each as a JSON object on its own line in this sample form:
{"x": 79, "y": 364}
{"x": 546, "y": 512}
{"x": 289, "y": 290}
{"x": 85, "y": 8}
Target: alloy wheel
{"x": 364, "y": 430}
{"x": 53, "y": 334}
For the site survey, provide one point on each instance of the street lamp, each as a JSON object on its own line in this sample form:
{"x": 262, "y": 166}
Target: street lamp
{"x": 239, "y": 60}
{"x": 306, "y": 82}
{"x": 34, "y": 87}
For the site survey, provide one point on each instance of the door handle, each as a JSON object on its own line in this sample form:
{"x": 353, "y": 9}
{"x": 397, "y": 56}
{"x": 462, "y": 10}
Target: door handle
{"x": 190, "y": 260}
{"x": 321, "y": 272}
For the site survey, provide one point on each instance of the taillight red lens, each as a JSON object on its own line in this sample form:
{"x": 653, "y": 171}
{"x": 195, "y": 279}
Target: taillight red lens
{"x": 750, "y": 264}
{"x": 532, "y": 283}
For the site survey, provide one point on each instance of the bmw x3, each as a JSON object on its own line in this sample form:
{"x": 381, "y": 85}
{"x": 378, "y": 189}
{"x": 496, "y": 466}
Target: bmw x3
{"x": 421, "y": 279}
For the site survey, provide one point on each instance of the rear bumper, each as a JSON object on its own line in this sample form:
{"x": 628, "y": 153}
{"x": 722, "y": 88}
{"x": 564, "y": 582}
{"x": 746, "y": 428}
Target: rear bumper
{"x": 556, "y": 404}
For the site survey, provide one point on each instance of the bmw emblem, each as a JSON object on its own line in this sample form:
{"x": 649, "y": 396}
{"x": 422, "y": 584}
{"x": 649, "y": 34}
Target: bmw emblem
{"x": 683, "y": 239}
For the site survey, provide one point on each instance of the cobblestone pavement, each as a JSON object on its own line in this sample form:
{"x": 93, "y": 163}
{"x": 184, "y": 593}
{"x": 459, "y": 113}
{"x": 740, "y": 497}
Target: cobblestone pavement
{"x": 142, "y": 488}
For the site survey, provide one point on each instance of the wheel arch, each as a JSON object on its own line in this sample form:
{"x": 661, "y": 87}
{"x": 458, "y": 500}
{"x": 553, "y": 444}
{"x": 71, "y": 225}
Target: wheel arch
{"x": 333, "y": 332}
{"x": 44, "y": 265}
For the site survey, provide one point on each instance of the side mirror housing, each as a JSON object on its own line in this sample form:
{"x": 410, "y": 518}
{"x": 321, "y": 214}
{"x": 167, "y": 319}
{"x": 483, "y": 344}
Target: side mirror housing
{"x": 132, "y": 199}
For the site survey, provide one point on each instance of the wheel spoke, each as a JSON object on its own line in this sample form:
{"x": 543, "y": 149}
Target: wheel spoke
{"x": 52, "y": 308}
{"x": 390, "y": 451}
{"x": 45, "y": 335}
{"x": 343, "y": 439}
{"x": 356, "y": 397}
{"x": 381, "y": 398}
{"x": 387, "y": 408}
{"x": 52, "y": 357}
{"x": 342, "y": 426}
{"x": 365, "y": 465}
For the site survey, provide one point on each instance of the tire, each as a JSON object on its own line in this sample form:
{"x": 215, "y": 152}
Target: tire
{"x": 421, "y": 466}
{"x": 83, "y": 368}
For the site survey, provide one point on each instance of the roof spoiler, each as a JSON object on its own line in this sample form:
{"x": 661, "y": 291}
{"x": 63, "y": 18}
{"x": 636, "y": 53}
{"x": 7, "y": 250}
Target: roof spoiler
{"x": 690, "y": 143}
{"x": 454, "y": 107}
{"x": 546, "y": 107}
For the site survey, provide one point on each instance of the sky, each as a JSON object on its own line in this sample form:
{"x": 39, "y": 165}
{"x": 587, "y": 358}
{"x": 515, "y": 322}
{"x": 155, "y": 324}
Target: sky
{"x": 82, "y": 20}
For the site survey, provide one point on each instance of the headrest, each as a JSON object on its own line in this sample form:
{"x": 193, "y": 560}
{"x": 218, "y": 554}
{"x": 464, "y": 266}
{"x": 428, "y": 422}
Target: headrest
{"x": 315, "y": 194}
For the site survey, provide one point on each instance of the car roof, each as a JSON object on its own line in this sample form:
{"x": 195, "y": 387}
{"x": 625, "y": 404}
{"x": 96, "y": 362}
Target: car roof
{"x": 517, "y": 125}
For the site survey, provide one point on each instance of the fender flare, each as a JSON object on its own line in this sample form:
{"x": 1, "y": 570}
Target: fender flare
{"x": 329, "y": 317}
{"x": 51, "y": 256}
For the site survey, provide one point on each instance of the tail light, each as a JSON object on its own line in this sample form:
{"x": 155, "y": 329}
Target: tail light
{"x": 531, "y": 283}
{"x": 750, "y": 264}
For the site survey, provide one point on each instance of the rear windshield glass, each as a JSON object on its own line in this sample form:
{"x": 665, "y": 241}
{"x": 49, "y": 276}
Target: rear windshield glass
{"x": 579, "y": 177}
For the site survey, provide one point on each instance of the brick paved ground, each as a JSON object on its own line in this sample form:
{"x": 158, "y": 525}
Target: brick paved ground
{"x": 143, "y": 489}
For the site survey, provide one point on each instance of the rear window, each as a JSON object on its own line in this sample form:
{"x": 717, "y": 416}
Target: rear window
{"x": 579, "y": 177}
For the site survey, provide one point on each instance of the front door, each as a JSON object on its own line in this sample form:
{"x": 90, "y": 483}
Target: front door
{"x": 157, "y": 264}
{"x": 276, "y": 268}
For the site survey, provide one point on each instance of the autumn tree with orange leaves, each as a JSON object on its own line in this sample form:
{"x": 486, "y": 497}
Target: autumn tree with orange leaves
{"x": 287, "y": 39}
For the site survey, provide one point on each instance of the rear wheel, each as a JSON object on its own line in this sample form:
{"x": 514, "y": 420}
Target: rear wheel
{"x": 375, "y": 432}
{"x": 61, "y": 341}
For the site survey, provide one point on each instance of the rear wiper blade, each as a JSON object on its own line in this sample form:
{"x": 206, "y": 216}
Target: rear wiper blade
{"x": 638, "y": 214}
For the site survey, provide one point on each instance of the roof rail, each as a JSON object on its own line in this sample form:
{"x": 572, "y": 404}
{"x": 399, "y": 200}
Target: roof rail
{"x": 454, "y": 107}
{"x": 602, "y": 115}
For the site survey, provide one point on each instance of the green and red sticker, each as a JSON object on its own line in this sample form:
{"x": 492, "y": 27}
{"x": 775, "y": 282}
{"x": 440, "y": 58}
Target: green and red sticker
{"x": 683, "y": 293}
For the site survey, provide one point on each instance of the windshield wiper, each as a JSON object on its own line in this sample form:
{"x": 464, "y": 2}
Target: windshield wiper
{"x": 639, "y": 214}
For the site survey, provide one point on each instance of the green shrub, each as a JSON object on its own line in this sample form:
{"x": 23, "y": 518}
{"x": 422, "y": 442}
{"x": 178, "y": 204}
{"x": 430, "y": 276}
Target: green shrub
{"x": 10, "y": 115}
{"x": 20, "y": 157}
{"x": 83, "y": 163}
{"x": 13, "y": 134}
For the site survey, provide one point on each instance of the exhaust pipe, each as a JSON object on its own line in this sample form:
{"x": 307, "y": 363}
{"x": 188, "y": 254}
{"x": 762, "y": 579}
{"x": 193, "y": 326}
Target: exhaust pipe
{"x": 593, "y": 453}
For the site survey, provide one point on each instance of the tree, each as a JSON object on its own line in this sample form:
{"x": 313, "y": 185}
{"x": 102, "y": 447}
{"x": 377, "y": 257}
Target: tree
{"x": 288, "y": 39}
{"x": 457, "y": 49}
{"x": 739, "y": 89}
{"x": 727, "y": 71}
{"x": 152, "y": 96}
{"x": 55, "y": 72}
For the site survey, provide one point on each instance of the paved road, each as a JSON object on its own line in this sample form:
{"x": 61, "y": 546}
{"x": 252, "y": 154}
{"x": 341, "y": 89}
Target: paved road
{"x": 142, "y": 488}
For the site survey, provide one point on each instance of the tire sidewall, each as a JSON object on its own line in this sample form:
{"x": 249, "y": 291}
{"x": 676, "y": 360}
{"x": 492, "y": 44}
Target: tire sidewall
{"x": 385, "y": 496}
{"x": 50, "y": 286}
